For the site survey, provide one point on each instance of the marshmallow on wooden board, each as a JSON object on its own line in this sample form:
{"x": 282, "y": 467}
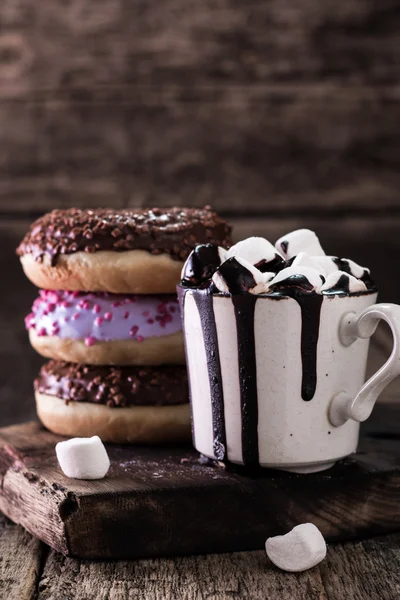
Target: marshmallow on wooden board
{"x": 295, "y": 274}
{"x": 299, "y": 550}
{"x": 83, "y": 458}
{"x": 300, "y": 240}
{"x": 339, "y": 281}
{"x": 254, "y": 250}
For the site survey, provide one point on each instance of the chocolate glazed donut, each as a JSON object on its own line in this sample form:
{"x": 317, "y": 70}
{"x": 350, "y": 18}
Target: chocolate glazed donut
{"x": 139, "y": 251}
{"x": 120, "y": 404}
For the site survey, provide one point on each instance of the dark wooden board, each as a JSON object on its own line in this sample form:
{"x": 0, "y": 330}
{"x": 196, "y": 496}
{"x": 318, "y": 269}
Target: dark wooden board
{"x": 167, "y": 501}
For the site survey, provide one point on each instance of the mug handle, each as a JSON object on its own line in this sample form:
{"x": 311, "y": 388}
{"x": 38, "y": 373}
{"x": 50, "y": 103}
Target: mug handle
{"x": 343, "y": 407}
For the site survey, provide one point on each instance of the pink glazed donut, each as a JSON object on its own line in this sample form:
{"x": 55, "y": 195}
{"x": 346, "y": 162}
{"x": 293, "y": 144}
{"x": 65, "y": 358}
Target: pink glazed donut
{"x": 106, "y": 329}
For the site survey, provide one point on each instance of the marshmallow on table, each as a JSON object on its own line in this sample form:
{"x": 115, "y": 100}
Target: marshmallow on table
{"x": 299, "y": 550}
{"x": 83, "y": 458}
{"x": 300, "y": 240}
{"x": 254, "y": 250}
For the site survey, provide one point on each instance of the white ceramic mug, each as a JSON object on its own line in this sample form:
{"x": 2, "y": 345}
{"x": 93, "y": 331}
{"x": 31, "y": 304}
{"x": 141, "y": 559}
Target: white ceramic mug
{"x": 296, "y": 411}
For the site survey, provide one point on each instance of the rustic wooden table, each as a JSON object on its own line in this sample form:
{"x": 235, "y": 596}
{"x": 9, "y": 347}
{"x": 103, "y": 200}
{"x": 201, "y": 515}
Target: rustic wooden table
{"x": 360, "y": 570}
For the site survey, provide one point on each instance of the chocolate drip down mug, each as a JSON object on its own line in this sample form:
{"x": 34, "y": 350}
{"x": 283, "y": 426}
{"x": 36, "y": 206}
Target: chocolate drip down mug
{"x": 279, "y": 383}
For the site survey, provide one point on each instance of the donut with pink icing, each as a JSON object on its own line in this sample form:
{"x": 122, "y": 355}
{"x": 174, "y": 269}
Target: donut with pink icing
{"x": 106, "y": 329}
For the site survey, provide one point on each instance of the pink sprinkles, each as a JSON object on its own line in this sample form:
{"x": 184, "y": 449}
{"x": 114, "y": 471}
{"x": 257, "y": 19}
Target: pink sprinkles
{"x": 90, "y": 341}
{"x": 98, "y": 317}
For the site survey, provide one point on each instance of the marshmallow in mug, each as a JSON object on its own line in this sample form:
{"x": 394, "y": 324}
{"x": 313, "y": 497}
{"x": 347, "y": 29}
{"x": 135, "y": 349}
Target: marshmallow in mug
{"x": 300, "y": 240}
{"x": 254, "y": 265}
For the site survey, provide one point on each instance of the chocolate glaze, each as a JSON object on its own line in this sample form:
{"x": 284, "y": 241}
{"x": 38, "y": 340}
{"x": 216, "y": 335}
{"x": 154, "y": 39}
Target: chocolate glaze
{"x": 273, "y": 266}
{"x": 174, "y": 231}
{"x": 238, "y": 279}
{"x": 204, "y": 303}
{"x": 342, "y": 264}
{"x": 244, "y": 306}
{"x": 114, "y": 386}
{"x": 201, "y": 264}
{"x": 284, "y": 246}
{"x": 300, "y": 289}
{"x": 341, "y": 287}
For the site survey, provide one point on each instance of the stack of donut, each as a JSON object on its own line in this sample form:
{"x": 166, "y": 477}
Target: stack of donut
{"x": 107, "y": 315}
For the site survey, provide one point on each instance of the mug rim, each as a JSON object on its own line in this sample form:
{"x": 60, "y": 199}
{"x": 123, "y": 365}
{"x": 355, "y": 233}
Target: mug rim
{"x": 340, "y": 296}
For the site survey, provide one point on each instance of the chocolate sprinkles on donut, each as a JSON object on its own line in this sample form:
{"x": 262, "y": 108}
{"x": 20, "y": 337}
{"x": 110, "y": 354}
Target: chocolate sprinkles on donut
{"x": 113, "y": 386}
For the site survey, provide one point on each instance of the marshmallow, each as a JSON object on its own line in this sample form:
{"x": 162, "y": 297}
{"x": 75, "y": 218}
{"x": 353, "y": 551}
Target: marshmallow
{"x": 236, "y": 276}
{"x": 305, "y": 260}
{"x": 349, "y": 266}
{"x": 333, "y": 263}
{"x": 300, "y": 240}
{"x": 339, "y": 281}
{"x": 220, "y": 283}
{"x": 299, "y": 550}
{"x": 312, "y": 276}
{"x": 326, "y": 264}
{"x": 254, "y": 250}
{"x": 263, "y": 286}
{"x": 222, "y": 254}
{"x": 83, "y": 458}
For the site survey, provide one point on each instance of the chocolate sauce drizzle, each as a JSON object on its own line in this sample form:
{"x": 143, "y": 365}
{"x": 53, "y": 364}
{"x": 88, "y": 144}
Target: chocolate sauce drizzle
{"x": 201, "y": 264}
{"x": 273, "y": 266}
{"x": 244, "y": 306}
{"x": 204, "y": 303}
{"x": 310, "y": 306}
{"x": 298, "y": 288}
{"x": 341, "y": 287}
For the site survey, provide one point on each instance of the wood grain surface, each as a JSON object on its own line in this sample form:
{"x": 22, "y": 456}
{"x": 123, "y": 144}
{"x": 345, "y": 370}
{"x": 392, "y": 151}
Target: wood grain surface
{"x": 168, "y": 501}
{"x": 364, "y": 570}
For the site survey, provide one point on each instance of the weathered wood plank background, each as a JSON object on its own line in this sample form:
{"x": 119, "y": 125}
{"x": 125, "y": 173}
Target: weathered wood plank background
{"x": 258, "y": 107}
